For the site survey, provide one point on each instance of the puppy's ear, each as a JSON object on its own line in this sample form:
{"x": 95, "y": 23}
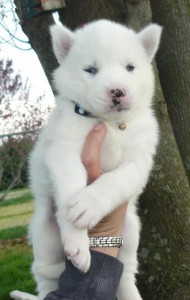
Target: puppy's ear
{"x": 150, "y": 39}
{"x": 62, "y": 40}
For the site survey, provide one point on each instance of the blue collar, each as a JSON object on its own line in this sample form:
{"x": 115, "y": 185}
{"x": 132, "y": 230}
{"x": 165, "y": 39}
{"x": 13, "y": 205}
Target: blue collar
{"x": 81, "y": 111}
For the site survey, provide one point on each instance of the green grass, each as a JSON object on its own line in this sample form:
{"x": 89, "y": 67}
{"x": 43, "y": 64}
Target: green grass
{"x": 15, "y": 254}
{"x": 15, "y": 214}
{"x": 15, "y": 262}
{"x": 17, "y": 197}
{"x": 13, "y": 233}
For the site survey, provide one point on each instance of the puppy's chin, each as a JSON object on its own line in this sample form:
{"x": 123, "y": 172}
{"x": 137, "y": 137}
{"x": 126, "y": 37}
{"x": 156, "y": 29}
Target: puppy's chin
{"x": 118, "y": 109}
{"x": 112, "y": 114}
{"x": 117, "y": 114}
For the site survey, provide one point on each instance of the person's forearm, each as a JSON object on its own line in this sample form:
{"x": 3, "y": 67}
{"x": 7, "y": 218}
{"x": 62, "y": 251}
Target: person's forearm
{"x": 109, "y": 230}
{"x": 110, "y": 225}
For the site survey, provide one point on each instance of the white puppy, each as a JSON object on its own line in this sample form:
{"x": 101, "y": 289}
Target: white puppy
{"x": 106, "y": 69}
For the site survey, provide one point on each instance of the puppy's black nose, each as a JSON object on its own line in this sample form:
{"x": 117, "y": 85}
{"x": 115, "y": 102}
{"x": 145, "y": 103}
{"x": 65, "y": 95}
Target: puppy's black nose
{"x": 117, "y": 93}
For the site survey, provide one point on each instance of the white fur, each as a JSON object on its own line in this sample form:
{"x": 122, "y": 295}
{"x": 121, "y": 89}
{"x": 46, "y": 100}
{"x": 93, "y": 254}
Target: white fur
{"x": 58, "y": 177}
{"x": 17, "y": 295}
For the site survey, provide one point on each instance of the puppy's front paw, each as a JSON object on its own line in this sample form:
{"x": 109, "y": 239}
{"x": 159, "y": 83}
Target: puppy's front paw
{"x": 77, "y": 250}
{"x": 84, "y": 210}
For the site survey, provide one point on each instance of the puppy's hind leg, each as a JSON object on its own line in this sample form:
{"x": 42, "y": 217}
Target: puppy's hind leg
{"x": 48, "y": 253}
{"x": 128, "y": 255}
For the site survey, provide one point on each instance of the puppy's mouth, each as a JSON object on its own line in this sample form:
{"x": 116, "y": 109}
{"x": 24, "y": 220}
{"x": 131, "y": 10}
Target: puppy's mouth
{"x": 117, "y": 109}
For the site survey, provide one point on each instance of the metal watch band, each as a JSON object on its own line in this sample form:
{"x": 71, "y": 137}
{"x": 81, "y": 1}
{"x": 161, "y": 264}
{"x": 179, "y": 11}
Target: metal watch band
{"x": 105, "y": 242}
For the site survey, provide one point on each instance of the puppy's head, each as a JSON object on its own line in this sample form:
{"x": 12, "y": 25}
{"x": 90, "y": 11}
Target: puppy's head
{"x": 106, "y": 67}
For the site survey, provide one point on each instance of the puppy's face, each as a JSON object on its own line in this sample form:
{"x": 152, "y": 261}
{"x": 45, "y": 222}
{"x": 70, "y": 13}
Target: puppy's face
{"x": 105, "y": 67}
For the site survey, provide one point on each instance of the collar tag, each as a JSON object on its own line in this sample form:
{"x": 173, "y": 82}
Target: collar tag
{"x": 122, "y": 125}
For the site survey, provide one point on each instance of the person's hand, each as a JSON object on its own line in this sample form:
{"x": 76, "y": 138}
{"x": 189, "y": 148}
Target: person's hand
{"x": 111, "y": 225}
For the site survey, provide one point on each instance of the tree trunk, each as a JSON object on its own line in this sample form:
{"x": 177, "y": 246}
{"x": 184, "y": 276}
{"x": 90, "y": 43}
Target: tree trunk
{"x": 164, "y": 209}
{"x": 164, "y": 250}
{"x": 165, "y": 206}
{"x": 174, "y": 68}
{"x": 37, "y": 31}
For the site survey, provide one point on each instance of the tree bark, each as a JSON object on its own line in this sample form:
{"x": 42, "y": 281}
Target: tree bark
{"x": 78, "y": 12}
{"x": 164, "y": 209}
{"x": 173, "y": 62}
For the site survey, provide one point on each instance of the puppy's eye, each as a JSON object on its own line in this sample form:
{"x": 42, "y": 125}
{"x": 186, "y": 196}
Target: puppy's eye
{"x": 130, "y": 67}
{"x": 91, "y": 70}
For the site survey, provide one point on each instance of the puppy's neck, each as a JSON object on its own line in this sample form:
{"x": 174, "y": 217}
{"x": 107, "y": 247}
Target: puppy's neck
{"x": 81, "y": 111}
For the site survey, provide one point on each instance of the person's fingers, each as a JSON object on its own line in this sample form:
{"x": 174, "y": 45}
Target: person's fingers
{"x": 91, "y": 151}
